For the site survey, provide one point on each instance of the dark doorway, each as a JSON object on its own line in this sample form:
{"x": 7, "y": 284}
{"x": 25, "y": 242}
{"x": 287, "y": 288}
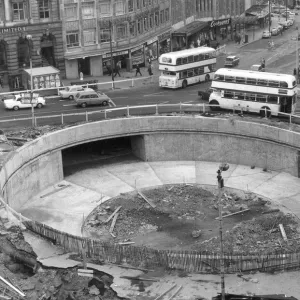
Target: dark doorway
{"x": 84, "y": 66}
{"x": 47, "y": 54}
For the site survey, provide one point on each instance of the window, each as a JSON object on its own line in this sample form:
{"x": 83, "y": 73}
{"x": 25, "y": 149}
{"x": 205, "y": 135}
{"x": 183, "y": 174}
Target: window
{"x": 3, "y": 62}
{"x": 229, "y": 79}
{"x": 121, "y": 32}
{"x": 105, "y": 9}
{"x": 89, "y": 37}
{"x": 120, "y": 8}
{"x": 87, "y": 10}
{"x": 161, "y": 16}
{"x": 104, "y": 35}
{"x": 239, "y": 96}
{"x": 190, "y": 59}
{"x": 201, "y": 57}
{"x": 196, "y": 71}
{"x": 146, "y": 24}
{"x": 72, "y": 39}
{"x": 44, "y": 9}
{"x": 228, "y": 94}
{"x": 18, "y": 11}
{"x": 240, "y": 80}
{"x": 178, "y": 61}
{"x": 273, "y": 99}
{"x": 201, "y": 70}
{"x": 212, "y": 67}
{"x": 252, "y": 97}
{"x": 196, "y": 57}
{"x": 283, "y": 84}
{"x": 261, "y": 98}
{"x": 71, "y": 12}
{"x": 130, "y": 5}
{"x": 219, "y": 77}
{"x": 138, "y": 4}
{"x": 184, "y": 74}
{"x": 184, "y": 60}
{"x": 262, "y": 82}
{"x": 273, "y": 83}
{"x": 167, "y": 15}
{"x": 151, "y": 21}
{"x": 132, "y": 29}
{"x": 190, "y": 73}
{"x": 139, "y": 26}
{"x": 206, "y": 56}
{"x": 251, "y": 81}
{"x": 156, "y": 16}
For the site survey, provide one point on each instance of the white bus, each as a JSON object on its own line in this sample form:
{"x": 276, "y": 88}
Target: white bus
{"x": 181, "y": 68}
{"x": 265, "y": 93}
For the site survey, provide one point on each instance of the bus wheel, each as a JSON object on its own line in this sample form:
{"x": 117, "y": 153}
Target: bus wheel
{"x": 207, "y": 78}
{"x": 265, "y": 112}
{"x": 215, "y": 104}
{"x": 184, "y": 84}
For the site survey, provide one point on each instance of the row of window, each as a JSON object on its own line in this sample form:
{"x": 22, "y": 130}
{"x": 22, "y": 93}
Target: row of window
{"x": 19, "y": 10}
{"x": 253, "y": 81}
{"x": 138, "y": 27}
{"x": 190, "y": 59}
{"x": 197, "y": 71}
{"x": 204, "y": 5}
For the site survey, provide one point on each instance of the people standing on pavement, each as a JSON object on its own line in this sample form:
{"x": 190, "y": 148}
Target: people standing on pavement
{"x": 263, "y": 63}
{"x": 150, "y": 70}
{"x": 118, "y": 68}
{"x": 1, "y": 82}
{"x": 138, "y": 70}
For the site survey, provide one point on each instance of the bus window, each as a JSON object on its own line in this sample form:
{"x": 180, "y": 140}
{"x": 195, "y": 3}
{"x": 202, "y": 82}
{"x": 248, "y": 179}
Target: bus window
{"x": 283, "y": 84}
{"x": 167, "y": 60}
{"x": 229, "y": 79}
{"x": 262, "y": 82}
{"x": 191, "y": 59}
{"x": 184, "y": 74}
{"x": 273, "y": 83}
{"x": 169, "y": 73}
{"x": 239, "y": 96}
{"x": 252, "y": 97}
{"x": 219, "y": 77}
{"x": 178, "y": 61}
{"x": 206, "y": 56}
{"x": 184, "y": 60}
{"x": 251, "y": 81}
{"x": 261, "y": 98}
{"x": 201, "y": 70}
{"x": 190, "y": 73}
{"x": 273, "y": 99}
{"x": 196, "y": 71}
{"x": 294, "y": 83}
{"x": 201, "y": 57}
{"x": 240, "y": 80}
{"x": 228, "y": 94}
{"x": 196, "y": 57}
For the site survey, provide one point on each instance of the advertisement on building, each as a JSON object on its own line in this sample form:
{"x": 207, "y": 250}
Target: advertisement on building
{"x": 138, "y": 56}
{"x": 151, "y": 49}
{"x": 164, "y": 42}
{"x": 220, "y": 28}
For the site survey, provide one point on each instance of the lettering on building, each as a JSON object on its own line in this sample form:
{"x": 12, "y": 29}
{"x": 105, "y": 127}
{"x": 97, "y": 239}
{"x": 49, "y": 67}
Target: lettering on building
{"x": 219, "y": 23}
{"x": 9, "y": 30}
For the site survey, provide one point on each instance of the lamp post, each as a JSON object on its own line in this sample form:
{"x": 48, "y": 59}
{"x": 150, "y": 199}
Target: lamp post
{"x": 111, "y": 56}
{"x": 269, "y": 16}
{"x": 31, "y": 93}
{"x": 297, "y": 54}
{"x": 286, "y": 10}
{"x": 222, "y": 167}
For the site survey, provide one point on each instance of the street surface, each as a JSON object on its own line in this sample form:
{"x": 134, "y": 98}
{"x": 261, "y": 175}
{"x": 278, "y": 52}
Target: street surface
{"x": 281, "y": 60}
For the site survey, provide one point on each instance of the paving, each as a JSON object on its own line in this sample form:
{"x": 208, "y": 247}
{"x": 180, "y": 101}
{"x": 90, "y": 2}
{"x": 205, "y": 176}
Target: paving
{"x": 65, "y": 208}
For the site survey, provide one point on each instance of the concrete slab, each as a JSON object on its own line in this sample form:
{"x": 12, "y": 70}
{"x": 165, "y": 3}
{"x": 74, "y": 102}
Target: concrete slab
{"x": 137, "y": 175}
{"x": 101, "y": 181}
{"x": 170, "y": 172}
{"x": 292, "y": 203}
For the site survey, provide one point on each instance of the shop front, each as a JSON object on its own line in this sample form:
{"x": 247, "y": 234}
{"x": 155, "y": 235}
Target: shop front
{"x": 117, "y": 56}
{"x": 164, "y": 42}
{"x": 220, "y": 29}
{"x": 151, "y": 49}
{"x": 138, "y": 56}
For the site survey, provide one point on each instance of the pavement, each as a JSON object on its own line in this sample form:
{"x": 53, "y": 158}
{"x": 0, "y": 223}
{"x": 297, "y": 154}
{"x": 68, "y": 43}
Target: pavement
{"x": 65, "y": 209}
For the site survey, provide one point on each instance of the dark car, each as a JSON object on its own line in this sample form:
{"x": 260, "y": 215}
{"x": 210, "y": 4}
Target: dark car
{"x": 204, "y": 95}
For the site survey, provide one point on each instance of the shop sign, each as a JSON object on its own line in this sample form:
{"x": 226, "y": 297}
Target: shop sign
{"x": 124, "y": 52}
{"x": 12, "y": 30}
{"x": 137, "y": 55}
{"x": 181, "y": 34}
{"x": 164, "y": 36}
{"x": 151, "y": 41}
{"x": 137, "y": 48}
{"x": 219, "y": 23}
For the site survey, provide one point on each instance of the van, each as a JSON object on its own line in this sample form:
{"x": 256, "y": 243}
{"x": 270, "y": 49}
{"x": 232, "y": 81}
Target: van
{"x": 88, "y": 98}
{"x": 258, "y": 68}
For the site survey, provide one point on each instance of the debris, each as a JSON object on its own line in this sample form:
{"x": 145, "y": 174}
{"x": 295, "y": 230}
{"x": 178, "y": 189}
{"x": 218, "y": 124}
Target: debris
{"x": 270, "y": 211}
{"x": 134, "y": 268}
{"x": 254, "y": 280}
{"x": 166, "y": 292}
{"x": 205, "y": 280}
{"x": 139, "y": 278}
{"x": 170, "y": 189}
{"x": 109, "y": 218}
{"x": 235, "y": 213}
{"x": 12, "y": 287}
{"x": 252, "y": 167}
{"x": 175, "y": 293}
{"x": 113, "y": 223}
{"x": 112, "y": 234}
{"x": 283, "y": 232}
{"x": 196, "y": 233}
{"x": 126, "y": 243}
{"x": 147, "y": 200}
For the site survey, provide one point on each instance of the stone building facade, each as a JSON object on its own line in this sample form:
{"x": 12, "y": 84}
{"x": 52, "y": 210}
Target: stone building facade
{"x": 29, "y": 29}
{"x": 136, "y": 30}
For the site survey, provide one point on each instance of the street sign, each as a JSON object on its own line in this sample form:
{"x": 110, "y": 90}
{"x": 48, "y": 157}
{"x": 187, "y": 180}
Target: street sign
{"x": 85, "y": 273}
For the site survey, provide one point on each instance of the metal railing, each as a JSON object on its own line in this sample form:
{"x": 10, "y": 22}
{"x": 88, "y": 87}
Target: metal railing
{"x": 153, "y": 109}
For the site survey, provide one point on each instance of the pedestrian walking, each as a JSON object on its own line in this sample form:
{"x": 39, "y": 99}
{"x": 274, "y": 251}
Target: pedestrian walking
{"x": 150, "y": 70}
{"x": 118, "y": 68}
{"x": 1, "y": 82}
{"x": 138, "y": 70}
{"x": 295, "y": 72}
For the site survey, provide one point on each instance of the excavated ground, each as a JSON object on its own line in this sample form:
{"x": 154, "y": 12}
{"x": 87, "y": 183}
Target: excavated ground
{"x": 184, "y": 218}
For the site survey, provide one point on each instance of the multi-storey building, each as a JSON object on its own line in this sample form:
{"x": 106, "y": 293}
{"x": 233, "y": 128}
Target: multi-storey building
{"x": 29, "y": 29}
{"x": 136, "y": 29}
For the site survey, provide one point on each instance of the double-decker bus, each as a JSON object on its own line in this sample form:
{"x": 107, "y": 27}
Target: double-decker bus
{"x": 265, "y": 93}
{"x": 182, "y": 68}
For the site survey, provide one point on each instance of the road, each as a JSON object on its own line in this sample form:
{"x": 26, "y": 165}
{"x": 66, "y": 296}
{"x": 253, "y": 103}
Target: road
{"x": 282, "y": 59}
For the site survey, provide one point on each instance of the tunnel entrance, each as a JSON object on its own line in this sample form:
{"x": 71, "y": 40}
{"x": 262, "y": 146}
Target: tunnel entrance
{"x": 102, "y": 152}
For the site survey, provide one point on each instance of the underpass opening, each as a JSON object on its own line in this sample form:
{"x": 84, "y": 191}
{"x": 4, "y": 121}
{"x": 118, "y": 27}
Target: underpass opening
{"x": 101, "y": 152}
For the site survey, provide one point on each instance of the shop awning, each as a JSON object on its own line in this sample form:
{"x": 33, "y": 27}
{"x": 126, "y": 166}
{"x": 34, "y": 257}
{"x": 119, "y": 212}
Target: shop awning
{"x": 259, "y": 11}
{"x": 247, "y": 20}
{"x": 42, "y": 71}
{"x": 191, "y": 28}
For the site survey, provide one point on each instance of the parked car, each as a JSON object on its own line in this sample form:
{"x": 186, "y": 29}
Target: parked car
{"x": 204, "y": 95}
{"x": 275, "y": 31}
{"x": 87, "y": 98}
{"x": 70, "y": 91}
{"x": 266, "y": 34}
{"x": 284, "y": 24}
{"x": 290, "y": 22}
{"x": 231, "y": 61}
{"x": 24, "y": 101}
{"x": 258, "y": 68}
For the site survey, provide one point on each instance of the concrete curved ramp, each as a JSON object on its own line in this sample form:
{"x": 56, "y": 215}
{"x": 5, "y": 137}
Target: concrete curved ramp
{"x": 65, "y": 207}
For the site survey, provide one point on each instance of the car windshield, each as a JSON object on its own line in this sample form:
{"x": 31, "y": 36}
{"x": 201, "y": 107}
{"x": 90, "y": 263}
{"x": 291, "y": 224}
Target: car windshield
{"x": 169, "y": 73}
{"x": 229, "y": 59}
{"x": 67, "y": 89}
